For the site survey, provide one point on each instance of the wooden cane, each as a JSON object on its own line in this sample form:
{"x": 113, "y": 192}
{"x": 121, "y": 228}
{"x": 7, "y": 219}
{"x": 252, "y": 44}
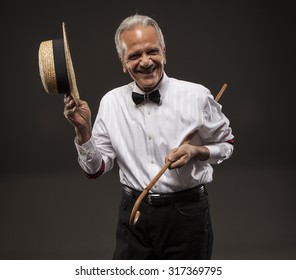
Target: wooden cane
{"x": 135, "y": 214}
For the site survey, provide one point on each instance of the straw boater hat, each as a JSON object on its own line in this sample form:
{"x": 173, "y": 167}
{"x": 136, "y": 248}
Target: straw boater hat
{"x": 56, "y": 68}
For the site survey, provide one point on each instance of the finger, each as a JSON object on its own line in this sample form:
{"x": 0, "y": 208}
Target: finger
{"x": 174, "y": 164}
{"x": 70, "y": 109}
{"x": 179, "y": 163}
{"x": 69, "y": 105}
{"x": 172, "y": 156}
{"x": 67, "y": 98}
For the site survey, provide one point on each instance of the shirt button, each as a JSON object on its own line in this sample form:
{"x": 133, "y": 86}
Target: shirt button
{"x": 149, "y": 137}
{"x": 152, "y": 161}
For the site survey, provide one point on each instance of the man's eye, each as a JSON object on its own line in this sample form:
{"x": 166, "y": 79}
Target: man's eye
{"x": 153, "y": 52}
{"x": 134, "y": 56}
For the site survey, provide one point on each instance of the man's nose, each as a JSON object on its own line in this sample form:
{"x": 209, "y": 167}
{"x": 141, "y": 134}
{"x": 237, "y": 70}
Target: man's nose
{"x": 145, "y": 60}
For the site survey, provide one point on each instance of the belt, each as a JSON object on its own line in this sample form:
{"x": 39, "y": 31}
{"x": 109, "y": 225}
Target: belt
{"x": 166, "y": 198}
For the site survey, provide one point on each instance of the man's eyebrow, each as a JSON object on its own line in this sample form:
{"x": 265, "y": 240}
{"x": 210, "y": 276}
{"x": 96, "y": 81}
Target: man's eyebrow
{"x": 147, "y": 50}
{"x": 135, "y": 53}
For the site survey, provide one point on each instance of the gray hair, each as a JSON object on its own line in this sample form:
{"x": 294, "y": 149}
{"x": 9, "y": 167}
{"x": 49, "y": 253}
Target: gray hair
{"x": 129, "y": 23}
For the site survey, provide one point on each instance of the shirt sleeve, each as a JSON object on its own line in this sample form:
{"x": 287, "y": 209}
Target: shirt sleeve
{"x": 219, "y": 152}
{"x": 216, "y": 132}
{"x": 97, "y": 154}
{"x": 89, "y": 158}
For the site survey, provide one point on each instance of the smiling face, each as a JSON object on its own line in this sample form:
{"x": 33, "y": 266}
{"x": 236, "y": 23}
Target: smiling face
{"x": 143, "y": 59}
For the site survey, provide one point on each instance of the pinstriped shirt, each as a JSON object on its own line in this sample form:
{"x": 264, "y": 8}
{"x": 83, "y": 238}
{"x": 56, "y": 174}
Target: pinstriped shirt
{"x": 140, "y": 136}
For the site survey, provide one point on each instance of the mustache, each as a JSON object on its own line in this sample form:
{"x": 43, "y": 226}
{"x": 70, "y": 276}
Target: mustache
{"x": 146, "y": 70}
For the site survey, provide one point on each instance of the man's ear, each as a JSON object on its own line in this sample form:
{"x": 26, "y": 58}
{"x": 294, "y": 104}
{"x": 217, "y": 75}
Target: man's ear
{"x": 123, "y": 65}
{"x": 164, "y": 55}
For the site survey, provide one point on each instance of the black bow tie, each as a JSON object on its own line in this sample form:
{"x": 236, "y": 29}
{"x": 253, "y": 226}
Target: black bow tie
{"x": 154, "y": 96}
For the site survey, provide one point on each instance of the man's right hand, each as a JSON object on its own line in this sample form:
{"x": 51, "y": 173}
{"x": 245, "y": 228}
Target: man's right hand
{"x": 79, "y": 115}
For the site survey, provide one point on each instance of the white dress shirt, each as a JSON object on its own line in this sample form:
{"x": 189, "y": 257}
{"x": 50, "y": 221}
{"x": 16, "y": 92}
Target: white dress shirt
{"x": 140, "y": 136}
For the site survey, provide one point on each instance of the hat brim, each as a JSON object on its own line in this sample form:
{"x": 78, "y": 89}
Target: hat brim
{"x": 56, "y": 67}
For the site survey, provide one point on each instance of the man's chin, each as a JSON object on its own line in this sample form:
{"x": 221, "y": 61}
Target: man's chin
{"x": 148, "y": 84}
{"x": 148, "y": 87}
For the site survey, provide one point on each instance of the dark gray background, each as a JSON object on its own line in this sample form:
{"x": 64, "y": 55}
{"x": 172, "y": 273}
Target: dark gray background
{"x": 50, "y": 210}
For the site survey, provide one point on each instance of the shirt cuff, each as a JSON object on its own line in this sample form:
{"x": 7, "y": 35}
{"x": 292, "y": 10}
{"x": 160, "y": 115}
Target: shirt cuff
{"x": 88, "y": 157}
{"x": 85, "y": 147}
{"x": 219, "y": 152}
{"x": 214, "y": 151}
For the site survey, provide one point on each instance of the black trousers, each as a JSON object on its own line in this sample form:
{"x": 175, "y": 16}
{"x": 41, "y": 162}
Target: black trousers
{"x": 177, "y": 231}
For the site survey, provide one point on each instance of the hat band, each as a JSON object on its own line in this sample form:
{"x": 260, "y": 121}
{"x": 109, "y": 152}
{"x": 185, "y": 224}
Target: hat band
{"x": 60, "y": 66}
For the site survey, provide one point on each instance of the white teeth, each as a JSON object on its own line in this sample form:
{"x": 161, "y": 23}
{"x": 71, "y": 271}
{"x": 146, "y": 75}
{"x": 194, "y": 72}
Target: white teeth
{"x": 147, "y": 71}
